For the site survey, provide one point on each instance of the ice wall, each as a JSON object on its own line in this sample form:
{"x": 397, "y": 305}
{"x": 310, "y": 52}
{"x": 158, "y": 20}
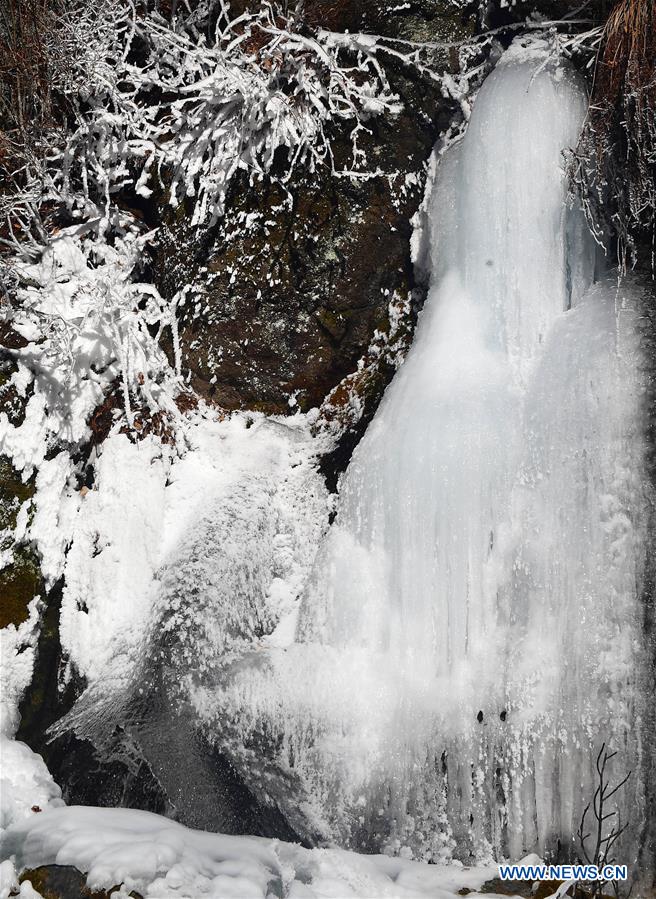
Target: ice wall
{"x": 472, "y": 629}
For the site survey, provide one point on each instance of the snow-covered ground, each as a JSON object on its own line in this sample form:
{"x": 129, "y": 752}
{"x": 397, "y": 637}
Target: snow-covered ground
{"x": 161, "y": 859}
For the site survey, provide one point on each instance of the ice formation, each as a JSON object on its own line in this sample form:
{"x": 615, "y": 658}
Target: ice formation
{"x": 25, "y": 782}
{"x": 181, "y": 561}
{"x": 471, "y": 632}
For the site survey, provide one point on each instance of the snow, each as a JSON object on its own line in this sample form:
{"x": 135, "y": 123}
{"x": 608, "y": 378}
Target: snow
{"x": 150, "y": 508}
{"x": 183, "y": 561}
{"x": 17, "y": 647}
{"x": 112, "y": 543}
{"x": 160, "y": 858}
{"x": 109, "y": 570}
{"x": 229, "y": 112}
{"x": 25, "y": 782}
{"x": 88, "y": 314}
{"x": 121, "y": 545}
{"x": 87, "y": 320}
{"x": 83, "y": 313}
{"x": 9, "y": 885}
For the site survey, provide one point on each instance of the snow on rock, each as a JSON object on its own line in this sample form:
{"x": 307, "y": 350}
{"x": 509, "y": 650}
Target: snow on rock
{"x": 17, "y": 646}
{"x": 26, "y": 785}
{"x": 25, "y": 782}
{"x": 55, "y": 501}
{"x": 160, "y": 858}
{"x": 215, "y": 538}
{"x": 9, "y": 885}
{"x": 115, "y": 550}
{"x": 87, "y": 322}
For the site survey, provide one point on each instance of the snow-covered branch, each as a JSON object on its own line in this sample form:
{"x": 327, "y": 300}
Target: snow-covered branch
{"x": 90, "y": 324}
{"x": 196, "y": 112}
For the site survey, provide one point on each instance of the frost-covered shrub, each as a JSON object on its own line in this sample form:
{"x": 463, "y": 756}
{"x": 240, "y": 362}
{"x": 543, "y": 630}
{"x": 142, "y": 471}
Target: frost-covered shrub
{"x": 51, "y": 51}
{"x": 140, "y": 103}
{"x": 90, "y": 323}
{"x": 195, "y": 110}
{"x": 614, "y": 167}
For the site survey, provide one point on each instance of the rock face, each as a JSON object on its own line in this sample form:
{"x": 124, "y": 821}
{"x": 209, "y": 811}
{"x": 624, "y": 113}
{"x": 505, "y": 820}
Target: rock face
{"x": 289, "y": 289}
{"x": 20, "y": 580}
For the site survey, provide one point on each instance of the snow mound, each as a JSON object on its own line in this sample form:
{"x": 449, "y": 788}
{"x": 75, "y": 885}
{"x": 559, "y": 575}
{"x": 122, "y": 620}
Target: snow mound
{"x": 26, "y": 785}
{"x": 25, "y": 782}
{"x": 160, "y": 858}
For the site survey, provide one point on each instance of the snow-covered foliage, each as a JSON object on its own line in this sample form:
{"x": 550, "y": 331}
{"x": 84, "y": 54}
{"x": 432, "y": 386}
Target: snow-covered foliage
{"x": 85, "y": 328}
{"x": 52, "y": 53}
{"x": 174, "y": 107}
{"x": 89, "y": 323}
{"x": 169, "y": 107}
{"x": 258, "y": 88}
{"x": 180, "y": 105}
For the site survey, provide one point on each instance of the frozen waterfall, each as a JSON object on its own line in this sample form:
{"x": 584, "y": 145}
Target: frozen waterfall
{"x": 471, "y": 631}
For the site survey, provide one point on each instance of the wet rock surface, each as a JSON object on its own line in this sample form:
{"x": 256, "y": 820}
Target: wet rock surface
{"x": 20, "y": 580}
{"x": 64, "y": 882}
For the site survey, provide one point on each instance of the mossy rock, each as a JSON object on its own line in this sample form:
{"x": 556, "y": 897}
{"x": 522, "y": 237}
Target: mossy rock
{"x": 503, "y": 13}
{"x": 437, "y": 20}
{"x": 13, "y": 493}
{"x": 20, "y": 582}
{"x": 508, "y": 887}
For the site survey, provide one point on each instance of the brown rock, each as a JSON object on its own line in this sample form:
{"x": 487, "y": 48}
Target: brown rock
{"x": 289, "y": 289}
{"x": 64, "y": 882}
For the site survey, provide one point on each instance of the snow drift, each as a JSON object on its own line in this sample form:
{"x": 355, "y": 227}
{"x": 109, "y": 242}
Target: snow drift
{"x": 160, "y": 858}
